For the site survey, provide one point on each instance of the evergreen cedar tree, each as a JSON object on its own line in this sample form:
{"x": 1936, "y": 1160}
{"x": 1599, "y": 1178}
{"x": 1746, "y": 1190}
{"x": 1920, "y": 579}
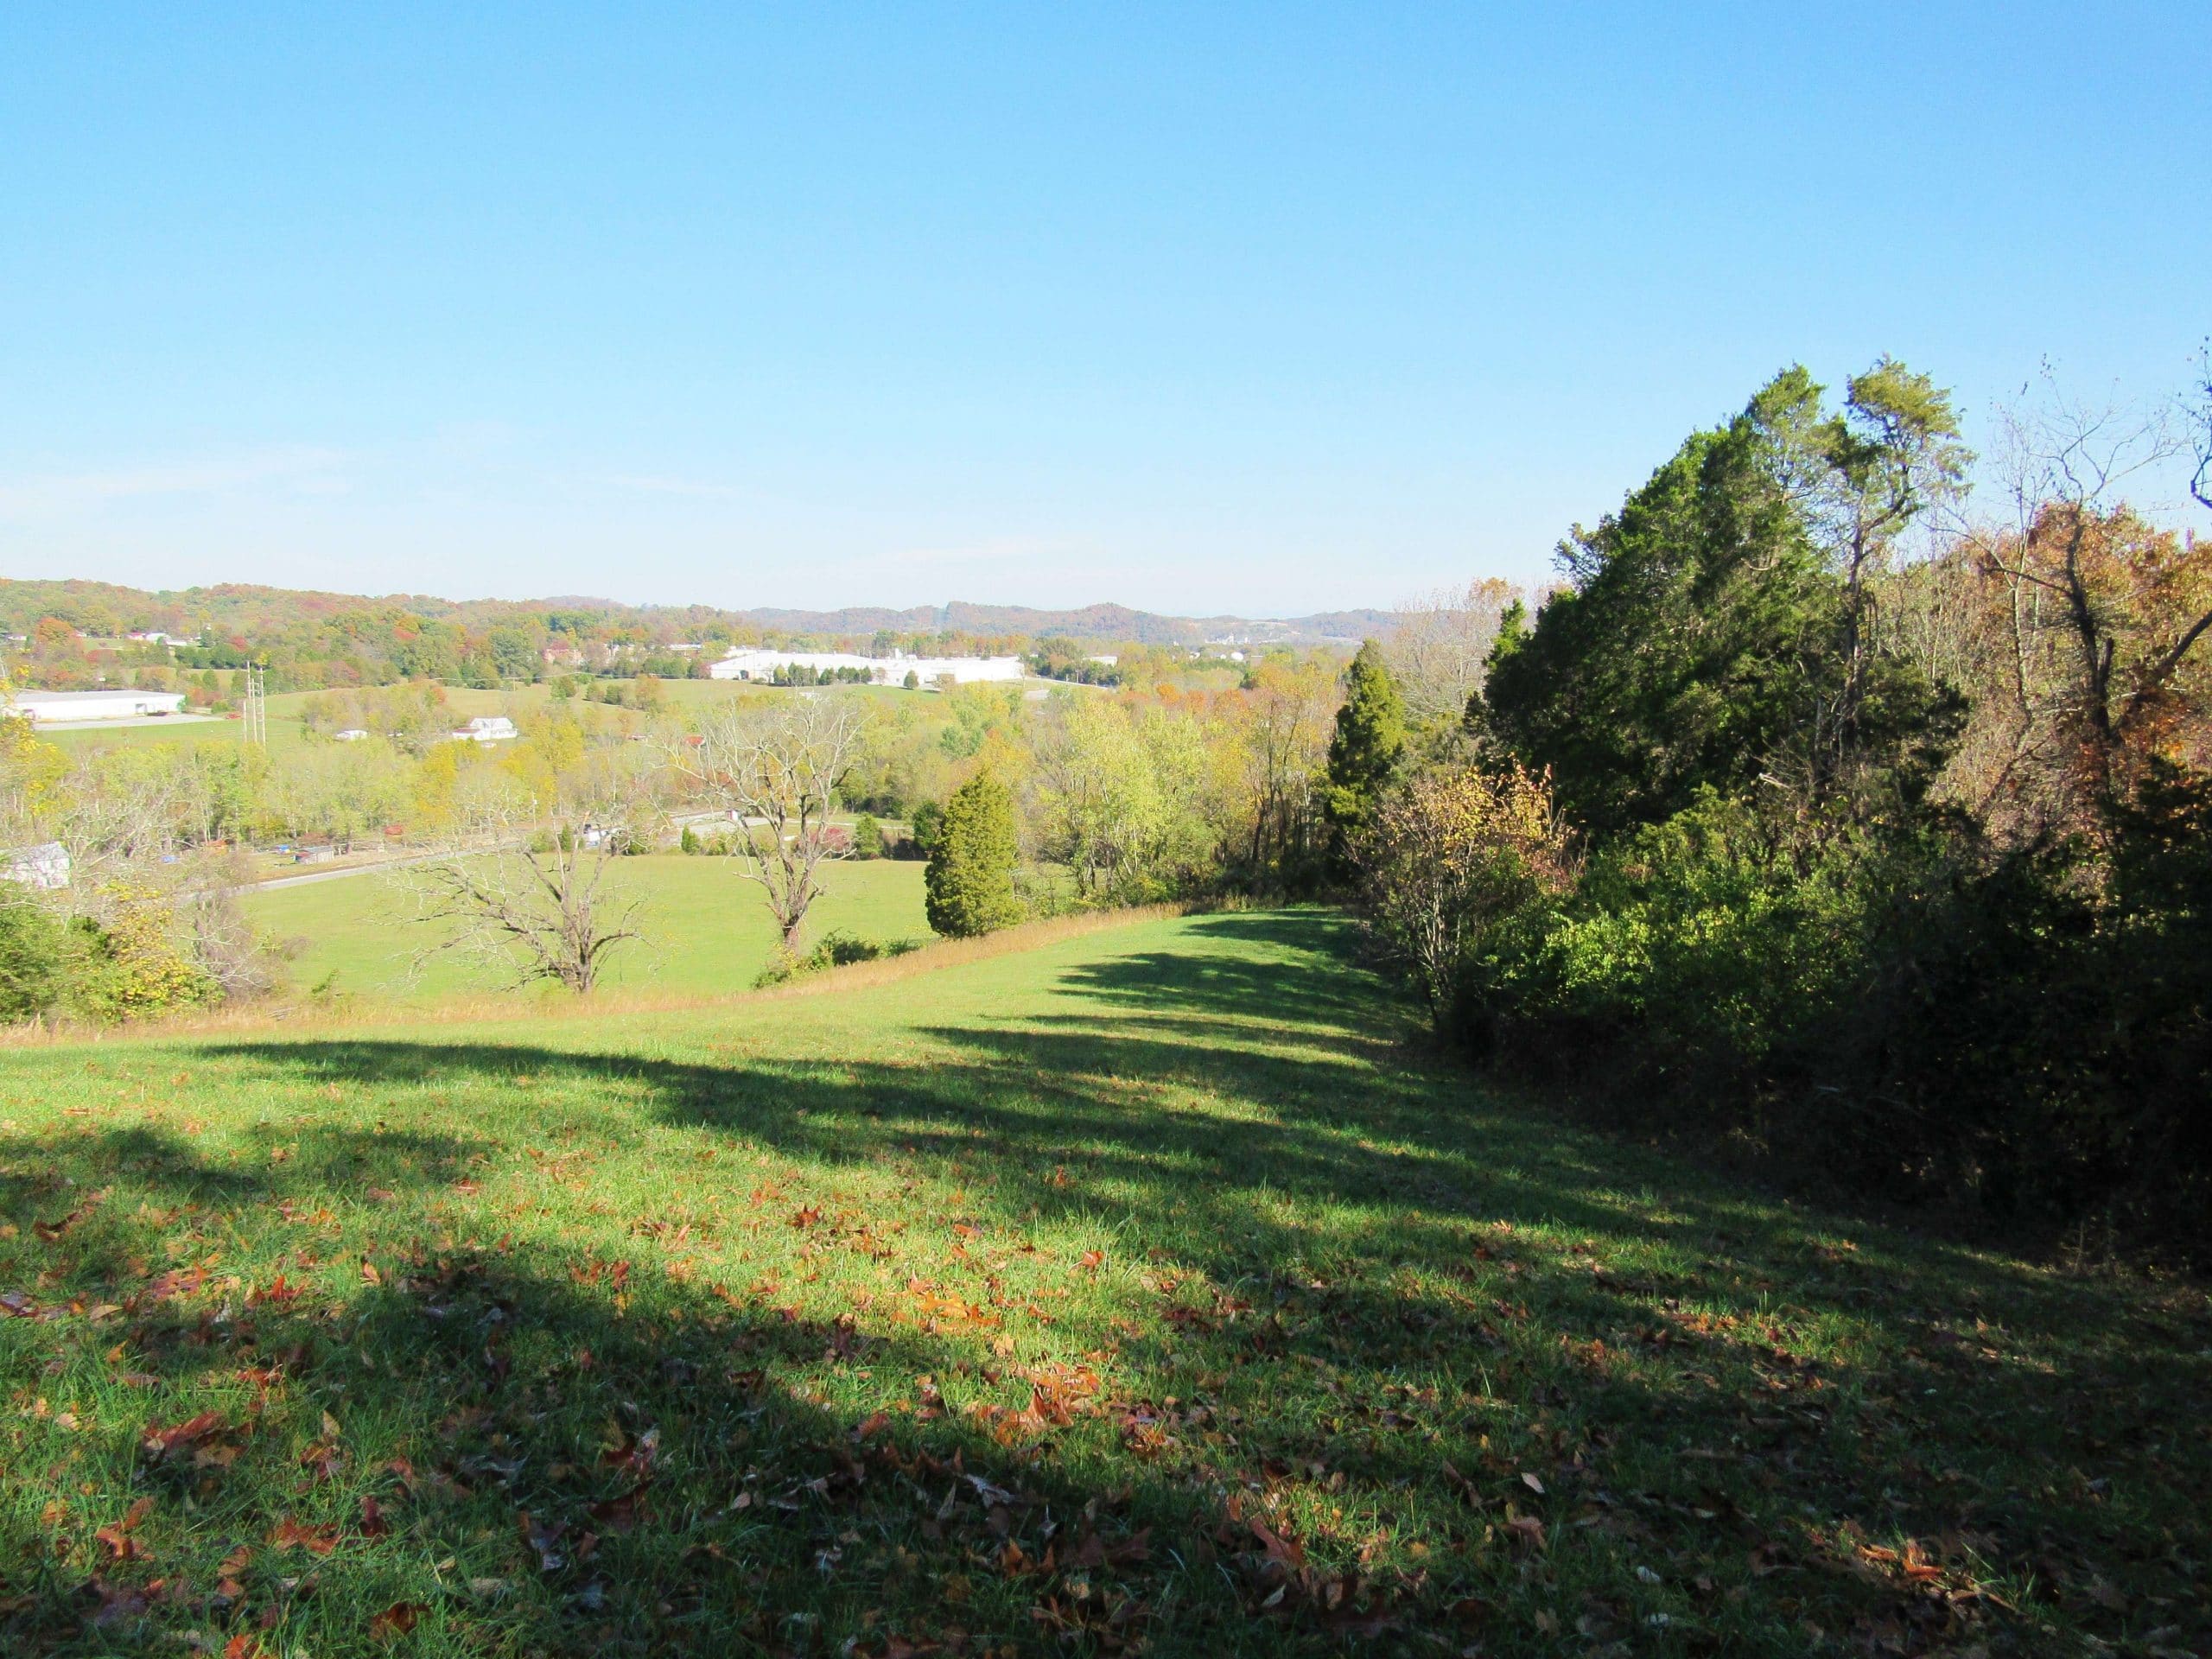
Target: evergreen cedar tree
{"x": 1364, "y": 754}
{"x": 1706, "y": 641}
{"x": 969, "y": 882}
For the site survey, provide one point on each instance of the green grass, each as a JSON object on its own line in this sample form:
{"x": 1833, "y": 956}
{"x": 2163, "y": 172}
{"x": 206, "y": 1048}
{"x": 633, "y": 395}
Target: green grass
{"x": 706, "y": 929}
{"x": 1145, "y": 1290}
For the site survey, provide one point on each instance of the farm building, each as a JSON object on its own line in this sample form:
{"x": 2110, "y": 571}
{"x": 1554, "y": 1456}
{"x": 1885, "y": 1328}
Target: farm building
{"x": 45, "y": 866}
{"x": 65, "y": 708}
{"x": 761, "y": 666}
{"x": 486, "y": 729}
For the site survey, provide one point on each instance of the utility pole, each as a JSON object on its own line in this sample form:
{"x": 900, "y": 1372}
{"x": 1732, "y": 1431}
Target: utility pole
{"x": 256, "y": 730}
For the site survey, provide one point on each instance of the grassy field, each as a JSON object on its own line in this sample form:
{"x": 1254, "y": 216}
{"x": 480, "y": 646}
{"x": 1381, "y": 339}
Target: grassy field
{"x": 706, "y": 927}
{"x": 1146, "y": 1290}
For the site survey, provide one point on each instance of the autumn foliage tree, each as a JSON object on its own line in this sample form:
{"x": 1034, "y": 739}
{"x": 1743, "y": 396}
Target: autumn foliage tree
{"x": 1452, "y": 851}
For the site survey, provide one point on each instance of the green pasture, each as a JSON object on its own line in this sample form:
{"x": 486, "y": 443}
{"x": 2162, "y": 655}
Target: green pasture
{"x": 706, "y": 927}
{"x": 1152, "y": 1290}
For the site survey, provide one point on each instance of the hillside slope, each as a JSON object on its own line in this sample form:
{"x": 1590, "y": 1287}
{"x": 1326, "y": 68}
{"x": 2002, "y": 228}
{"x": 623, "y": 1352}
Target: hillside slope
{"x": 1141, "y": 1289}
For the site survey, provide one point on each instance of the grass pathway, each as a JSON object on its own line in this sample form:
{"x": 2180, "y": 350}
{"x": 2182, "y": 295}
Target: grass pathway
{"x": 1144, "y": 1292}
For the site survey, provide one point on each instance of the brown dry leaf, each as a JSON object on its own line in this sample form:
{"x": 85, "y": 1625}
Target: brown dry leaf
{"x": 294, "y": 1534}
{"x": 121, "y": 1545}
{"x": 1526, "y": 1529}
{"x": 227, "y": 1575}
{"x": 177, "y": 1282}
{"x": 159, "y": 1442}
{"x": 1288, "y": 1551}
{"x": 621, "y": 1514}
{"x": 397, "y": 1620}
{"x": 637, "y": 1456}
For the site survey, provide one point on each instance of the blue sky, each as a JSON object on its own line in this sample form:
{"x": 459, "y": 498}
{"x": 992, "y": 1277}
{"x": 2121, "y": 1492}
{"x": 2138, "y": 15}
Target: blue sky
{"x": 1194, "y": 307}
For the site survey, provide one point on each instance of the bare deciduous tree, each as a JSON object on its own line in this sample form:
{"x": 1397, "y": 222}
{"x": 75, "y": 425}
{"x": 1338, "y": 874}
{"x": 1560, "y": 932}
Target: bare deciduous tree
{"x": 2196, "y": 409}
{"x": 776, "y": 766}
{"x": 1437, "y": 650}
{"x": 530, "y": 900}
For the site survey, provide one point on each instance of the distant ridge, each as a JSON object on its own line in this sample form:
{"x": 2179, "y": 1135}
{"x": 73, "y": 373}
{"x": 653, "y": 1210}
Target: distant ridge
{"x": 233, "y": 605}
{"x": 1089, "y": 622}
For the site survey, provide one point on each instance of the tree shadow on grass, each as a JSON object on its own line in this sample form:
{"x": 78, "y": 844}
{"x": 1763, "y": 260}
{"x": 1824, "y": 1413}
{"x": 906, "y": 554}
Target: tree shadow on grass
{"x": 518, "y": 1447}
{"x": 1308, "y": 979}
{"x": 1415, "y": 1275}
{"x": 1350, "y": 1312}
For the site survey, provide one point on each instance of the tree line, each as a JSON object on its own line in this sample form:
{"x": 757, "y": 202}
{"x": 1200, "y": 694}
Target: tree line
{"x": 1823, "y": 807}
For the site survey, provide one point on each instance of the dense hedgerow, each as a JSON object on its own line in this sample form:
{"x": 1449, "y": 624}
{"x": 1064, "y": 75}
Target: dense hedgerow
{"x": 1818, "y": 904}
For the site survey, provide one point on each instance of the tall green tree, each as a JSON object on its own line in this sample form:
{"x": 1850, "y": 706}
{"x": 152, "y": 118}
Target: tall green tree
{"x": 969, "y": 882}
{"x": 1364, "y": 753}
{"x": 1711, "y": 636}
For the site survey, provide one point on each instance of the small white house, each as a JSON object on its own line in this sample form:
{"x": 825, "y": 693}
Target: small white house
{"x": 67, "y": 708}
{"x": 45, "y": 866}
{"x": 351, "y": 734}
{"x": 486, "y": 729}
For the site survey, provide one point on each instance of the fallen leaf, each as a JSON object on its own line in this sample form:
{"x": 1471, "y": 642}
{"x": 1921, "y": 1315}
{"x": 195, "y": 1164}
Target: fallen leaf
{"x": 542, "y": 1540}
{"x": 295, "y": 1535}
{"x": 159, "y": 1442}
{"x": 397, "y": 1620}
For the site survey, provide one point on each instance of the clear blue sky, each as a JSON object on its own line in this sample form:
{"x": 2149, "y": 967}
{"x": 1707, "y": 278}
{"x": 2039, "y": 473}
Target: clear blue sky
{"x": 1194, "y": 307}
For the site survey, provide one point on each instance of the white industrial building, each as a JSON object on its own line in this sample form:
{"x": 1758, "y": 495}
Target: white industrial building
{"x": 928, "y": 671}
{"x": 45, "y": 865}
{"x": 66, "y": 707}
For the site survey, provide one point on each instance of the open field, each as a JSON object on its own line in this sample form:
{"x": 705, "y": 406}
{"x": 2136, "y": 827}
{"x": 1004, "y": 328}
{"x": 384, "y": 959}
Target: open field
{"x": 706, "y": 927}
{"x": 1141, "y": 1289}
{"x": 286, "y": 734}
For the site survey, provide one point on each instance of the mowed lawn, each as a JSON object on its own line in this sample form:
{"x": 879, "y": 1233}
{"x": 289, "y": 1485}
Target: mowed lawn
{"x": 1145, "y": 1291}
{"x": 705, "y": 928}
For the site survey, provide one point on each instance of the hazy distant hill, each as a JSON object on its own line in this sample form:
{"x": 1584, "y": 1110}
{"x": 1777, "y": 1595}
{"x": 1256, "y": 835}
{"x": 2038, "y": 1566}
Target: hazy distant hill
{"x": 1092, "y": 622}
{"x": 250, "y": 609}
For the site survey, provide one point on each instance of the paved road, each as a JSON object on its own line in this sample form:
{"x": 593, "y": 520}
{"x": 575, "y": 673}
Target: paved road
{"x": 336, "y": 875}
{"x": 128, "y": 722}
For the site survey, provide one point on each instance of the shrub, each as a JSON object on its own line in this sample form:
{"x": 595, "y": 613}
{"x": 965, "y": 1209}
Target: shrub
{"x": 1452, "y": 854}
{"x": 128, "y": 967}
{"x": 867, "y": 838}
{"x": 1904, "y": 1012}
{"x": 834, "y": 949}
{"x": 33, "y": 966}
